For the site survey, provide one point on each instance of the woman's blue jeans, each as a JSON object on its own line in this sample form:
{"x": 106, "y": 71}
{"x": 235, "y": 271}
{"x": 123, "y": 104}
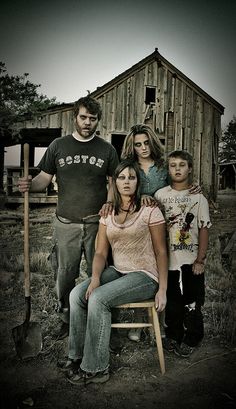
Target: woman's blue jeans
{"x": 90, "y": 321}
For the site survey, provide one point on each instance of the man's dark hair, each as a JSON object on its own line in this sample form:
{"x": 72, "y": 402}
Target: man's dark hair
{"x": 91, "y": 104}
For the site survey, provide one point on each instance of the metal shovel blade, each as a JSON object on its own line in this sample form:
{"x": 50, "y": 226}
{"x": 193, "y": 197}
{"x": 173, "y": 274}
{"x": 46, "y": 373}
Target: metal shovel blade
{"x": 28, "y": 343}
{"x": 27, "y": 336}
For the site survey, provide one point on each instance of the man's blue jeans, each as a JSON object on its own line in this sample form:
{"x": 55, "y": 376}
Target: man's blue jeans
{"x": 90, "y": 322}
{"x": 70, "y": 242}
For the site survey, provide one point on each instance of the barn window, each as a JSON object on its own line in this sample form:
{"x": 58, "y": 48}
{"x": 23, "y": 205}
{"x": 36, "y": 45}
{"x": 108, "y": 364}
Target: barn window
{"x": 150, "y": 96}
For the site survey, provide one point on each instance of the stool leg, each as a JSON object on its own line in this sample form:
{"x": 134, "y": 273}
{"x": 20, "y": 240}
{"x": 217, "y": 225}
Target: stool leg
{"x": 158, "y": 340}
{"x": 150, "y": 319}
{"x": 161, "y": 317}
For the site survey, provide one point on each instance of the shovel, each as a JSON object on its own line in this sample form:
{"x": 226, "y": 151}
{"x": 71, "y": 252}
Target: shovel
{"x": 27, "y": 336}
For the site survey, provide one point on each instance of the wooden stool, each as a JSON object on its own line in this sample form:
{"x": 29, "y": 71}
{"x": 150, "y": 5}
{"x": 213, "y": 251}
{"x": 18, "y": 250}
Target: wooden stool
{"x": 153, "y": 322}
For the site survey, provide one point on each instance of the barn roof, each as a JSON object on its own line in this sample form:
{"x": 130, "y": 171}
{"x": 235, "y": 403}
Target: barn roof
{"x": 8, "y": 139}
{"x": 155, "y": 56}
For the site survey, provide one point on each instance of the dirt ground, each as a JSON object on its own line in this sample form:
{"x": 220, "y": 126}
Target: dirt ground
{"x": 205, "y": 380}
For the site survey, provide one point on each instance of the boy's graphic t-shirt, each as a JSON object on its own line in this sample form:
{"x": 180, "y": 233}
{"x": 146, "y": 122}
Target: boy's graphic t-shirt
{"x": 185, "y": 214}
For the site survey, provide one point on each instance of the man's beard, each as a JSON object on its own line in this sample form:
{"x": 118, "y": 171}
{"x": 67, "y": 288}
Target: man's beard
{"x": 85, "y": 133}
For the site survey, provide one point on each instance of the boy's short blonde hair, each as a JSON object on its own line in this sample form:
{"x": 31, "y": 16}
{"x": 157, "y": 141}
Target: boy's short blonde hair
{"x": 182, "y": 155}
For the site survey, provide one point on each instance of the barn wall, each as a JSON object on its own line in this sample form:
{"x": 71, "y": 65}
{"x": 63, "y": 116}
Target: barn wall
{"x": 181, "y": 115}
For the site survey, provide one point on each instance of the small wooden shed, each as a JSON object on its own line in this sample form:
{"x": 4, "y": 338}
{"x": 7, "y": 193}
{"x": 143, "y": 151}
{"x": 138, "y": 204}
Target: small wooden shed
{"x": 154, "y": 92}
{"x": 227, "y": 175}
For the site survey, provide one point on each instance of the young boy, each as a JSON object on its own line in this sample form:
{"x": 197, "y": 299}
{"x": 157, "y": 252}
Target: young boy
{"x": 187, "y": 218}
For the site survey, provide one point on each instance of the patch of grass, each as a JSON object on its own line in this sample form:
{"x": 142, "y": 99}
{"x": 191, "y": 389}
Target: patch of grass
{"x": 39, "y": 263}
{"x": 224, "y": 320}
{"x": 15, "y": 262}
{"x": 220, "y": 305}
{"x": 219, "y": 309}
{"x": 12, "y": 262}
{"x": 10, "y": 231}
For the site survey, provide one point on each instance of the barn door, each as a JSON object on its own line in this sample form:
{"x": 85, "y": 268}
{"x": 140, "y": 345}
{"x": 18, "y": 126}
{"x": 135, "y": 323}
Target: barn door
{"x": 117, "y": 141}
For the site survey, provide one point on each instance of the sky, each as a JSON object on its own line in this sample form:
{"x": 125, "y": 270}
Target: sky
{"x": 72, "y": 46}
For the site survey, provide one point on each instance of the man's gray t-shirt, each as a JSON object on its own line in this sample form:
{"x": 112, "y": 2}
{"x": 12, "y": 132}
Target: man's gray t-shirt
{"x": 81, "y": 170}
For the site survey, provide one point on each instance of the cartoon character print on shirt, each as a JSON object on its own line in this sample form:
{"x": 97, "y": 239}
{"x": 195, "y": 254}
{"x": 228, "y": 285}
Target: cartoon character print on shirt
{"x": 182, "y": 223}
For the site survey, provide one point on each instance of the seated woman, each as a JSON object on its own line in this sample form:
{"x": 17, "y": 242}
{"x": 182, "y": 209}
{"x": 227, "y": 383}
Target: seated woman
{"x": 138, "y": 240}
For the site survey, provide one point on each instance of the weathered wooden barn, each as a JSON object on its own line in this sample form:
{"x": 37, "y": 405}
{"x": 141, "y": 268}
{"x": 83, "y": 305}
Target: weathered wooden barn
{"x": 154, "y": 92}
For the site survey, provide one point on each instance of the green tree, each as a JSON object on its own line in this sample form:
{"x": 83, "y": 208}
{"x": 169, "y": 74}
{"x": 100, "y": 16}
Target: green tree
{"x": 19, "y": 96}
{"x": 228, "y": 142}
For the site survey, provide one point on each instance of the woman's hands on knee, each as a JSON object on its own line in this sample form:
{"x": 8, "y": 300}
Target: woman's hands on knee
{"x": 95, "y": 282}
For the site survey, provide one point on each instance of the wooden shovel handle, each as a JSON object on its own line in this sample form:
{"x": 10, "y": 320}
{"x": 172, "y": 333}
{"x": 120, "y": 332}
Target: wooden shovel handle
{"x": 26, "y": 224}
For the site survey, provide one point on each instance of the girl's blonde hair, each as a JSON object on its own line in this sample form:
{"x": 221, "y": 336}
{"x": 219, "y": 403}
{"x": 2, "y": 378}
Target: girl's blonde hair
{"x": 156, "y": 147}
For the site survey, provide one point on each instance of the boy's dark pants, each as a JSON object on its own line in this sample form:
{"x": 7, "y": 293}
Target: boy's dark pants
{"x": 184, "y": 324}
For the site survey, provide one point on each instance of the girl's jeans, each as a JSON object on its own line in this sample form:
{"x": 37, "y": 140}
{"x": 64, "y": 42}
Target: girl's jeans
{"x": 90, "y": 321}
